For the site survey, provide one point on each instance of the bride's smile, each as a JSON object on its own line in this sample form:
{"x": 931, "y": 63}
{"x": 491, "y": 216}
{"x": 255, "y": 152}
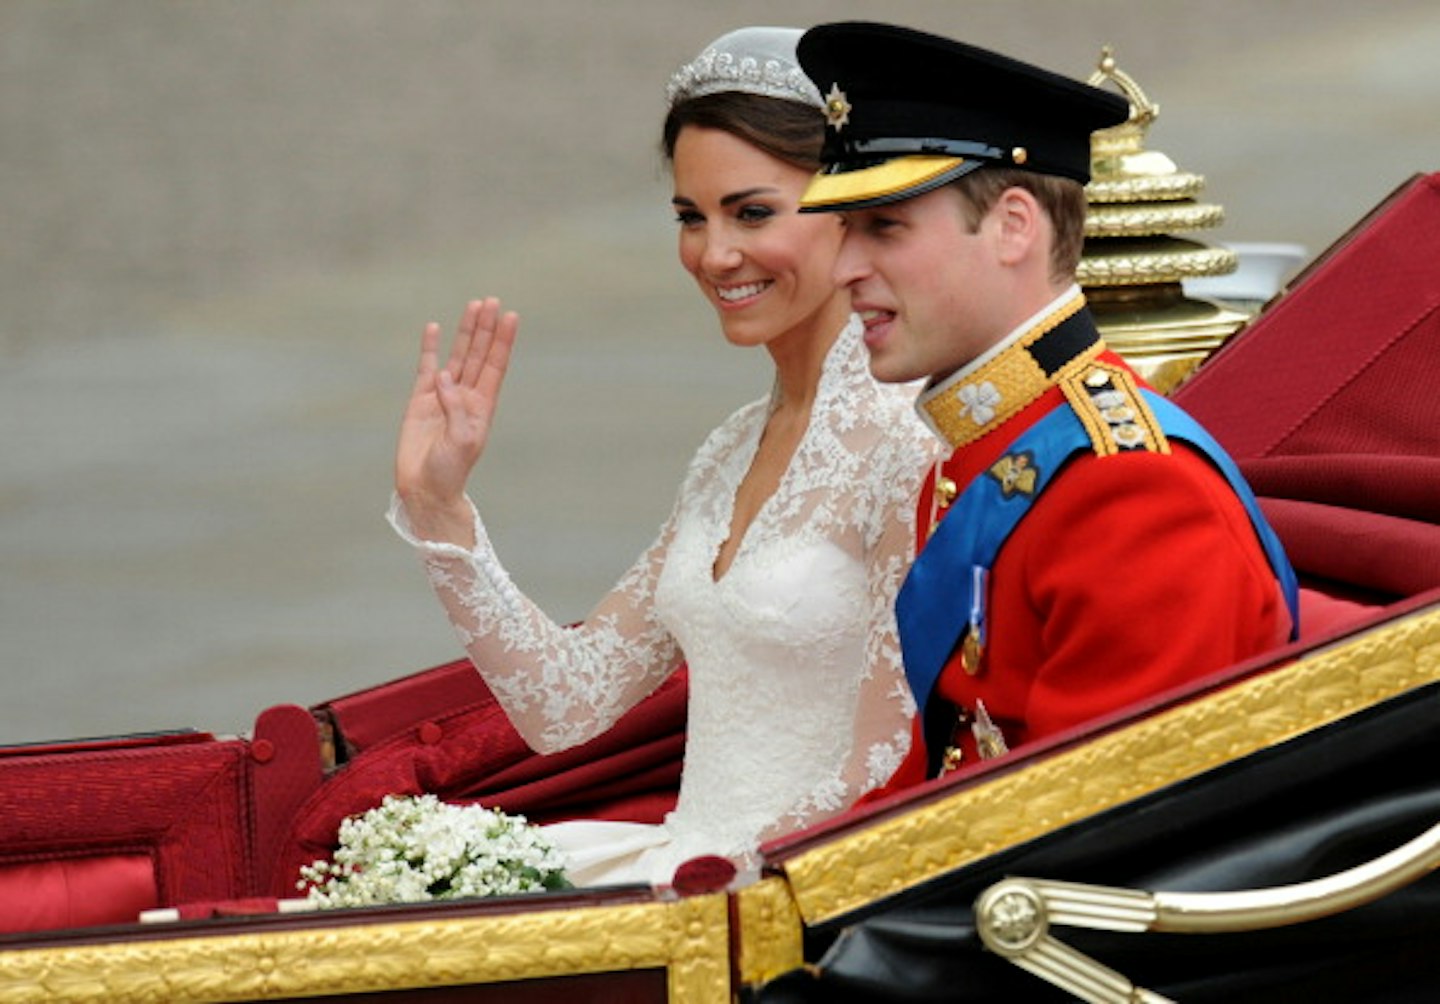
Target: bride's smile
{"x": 763, "y": 266}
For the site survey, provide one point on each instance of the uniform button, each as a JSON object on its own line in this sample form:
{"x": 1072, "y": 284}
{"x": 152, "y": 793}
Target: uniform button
{"x": 945, "y": 490}
{"x": 431, "y": 733}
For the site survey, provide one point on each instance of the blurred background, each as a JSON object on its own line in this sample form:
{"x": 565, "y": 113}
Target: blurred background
{"x": 222, "y": 225}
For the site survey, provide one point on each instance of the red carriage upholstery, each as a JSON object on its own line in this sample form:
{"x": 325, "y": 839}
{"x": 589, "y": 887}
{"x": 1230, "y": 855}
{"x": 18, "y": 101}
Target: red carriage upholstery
{"x": 92, "y": 833}
{"x": 96, "y": 832}
{"x": 1327, "y": 401}
{"x": 442, "y": 732}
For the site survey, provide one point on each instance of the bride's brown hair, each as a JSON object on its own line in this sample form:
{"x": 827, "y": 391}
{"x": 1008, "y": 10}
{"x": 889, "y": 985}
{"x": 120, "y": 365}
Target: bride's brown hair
{"x": 787, "y": 130}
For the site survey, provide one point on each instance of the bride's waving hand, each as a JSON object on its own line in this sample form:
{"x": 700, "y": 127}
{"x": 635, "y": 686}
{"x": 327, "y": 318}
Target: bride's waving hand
{"x": 447, "y": 421}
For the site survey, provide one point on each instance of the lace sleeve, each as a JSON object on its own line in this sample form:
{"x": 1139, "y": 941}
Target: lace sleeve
{"x": 884, "y": 496}
{"x": 884, "y": 706}
{"x": 560, "y": 686}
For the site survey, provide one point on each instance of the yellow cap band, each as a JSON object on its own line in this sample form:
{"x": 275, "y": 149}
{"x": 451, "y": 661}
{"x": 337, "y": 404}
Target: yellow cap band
{"x": 893, "y": 177}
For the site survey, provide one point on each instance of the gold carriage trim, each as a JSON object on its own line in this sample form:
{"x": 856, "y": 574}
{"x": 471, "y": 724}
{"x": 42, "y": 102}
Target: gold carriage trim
{"x": 770, "y": 935}
{"x": 958, "y": 829}
{"x": 688, "y": 938}
{"x": 966, "y": 407}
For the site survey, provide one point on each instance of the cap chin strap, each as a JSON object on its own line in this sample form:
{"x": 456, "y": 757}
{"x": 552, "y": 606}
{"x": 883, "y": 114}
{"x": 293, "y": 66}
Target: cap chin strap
{"x": 854, "y": 154}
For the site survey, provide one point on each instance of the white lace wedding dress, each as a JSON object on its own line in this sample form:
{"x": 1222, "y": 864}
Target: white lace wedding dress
{"x": 798, "y": 702}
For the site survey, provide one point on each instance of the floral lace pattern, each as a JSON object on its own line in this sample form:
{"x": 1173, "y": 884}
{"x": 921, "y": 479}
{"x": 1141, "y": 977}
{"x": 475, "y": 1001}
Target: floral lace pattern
{"x": 798, "y": 701}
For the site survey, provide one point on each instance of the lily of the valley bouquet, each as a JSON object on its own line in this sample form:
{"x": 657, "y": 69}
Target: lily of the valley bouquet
{"x": 416, "y": 848}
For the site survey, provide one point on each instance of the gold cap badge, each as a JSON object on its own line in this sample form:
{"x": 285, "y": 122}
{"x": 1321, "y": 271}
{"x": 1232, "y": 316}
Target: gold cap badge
{"x": 837, "y": 108}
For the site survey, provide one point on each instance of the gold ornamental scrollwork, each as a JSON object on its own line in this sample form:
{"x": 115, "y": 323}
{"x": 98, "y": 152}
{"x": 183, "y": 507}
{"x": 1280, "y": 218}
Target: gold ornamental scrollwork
{"x": 688, "y": 938}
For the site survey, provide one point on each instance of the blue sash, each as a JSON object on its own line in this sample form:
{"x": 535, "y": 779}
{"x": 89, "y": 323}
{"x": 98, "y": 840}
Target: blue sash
{"x": 938, "y": 599}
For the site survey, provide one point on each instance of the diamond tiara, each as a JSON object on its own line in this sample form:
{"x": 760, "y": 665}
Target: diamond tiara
{"x": 751, "y": 60}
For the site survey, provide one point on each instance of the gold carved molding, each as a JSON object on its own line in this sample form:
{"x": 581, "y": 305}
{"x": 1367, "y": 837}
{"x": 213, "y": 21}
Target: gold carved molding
{"x": 1145, "y": 188}
{"x": 687, "y": 938}
{"x": 926, "y": 842}
{"x": 1122, "y": 268}
{"x": 1151, "y": 218}
{"x": 769, "y": 934}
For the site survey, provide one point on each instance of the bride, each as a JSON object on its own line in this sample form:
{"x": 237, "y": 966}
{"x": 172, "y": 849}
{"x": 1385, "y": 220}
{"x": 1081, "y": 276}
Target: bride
{"x": 774, "y": 577}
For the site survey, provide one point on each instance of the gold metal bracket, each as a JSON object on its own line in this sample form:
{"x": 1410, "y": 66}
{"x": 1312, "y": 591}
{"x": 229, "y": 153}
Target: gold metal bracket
{"x": 1014, "y": 916}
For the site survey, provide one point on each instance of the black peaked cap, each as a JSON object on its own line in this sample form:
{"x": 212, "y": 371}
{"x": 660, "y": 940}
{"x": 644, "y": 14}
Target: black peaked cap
{"x": 941, "y": 108}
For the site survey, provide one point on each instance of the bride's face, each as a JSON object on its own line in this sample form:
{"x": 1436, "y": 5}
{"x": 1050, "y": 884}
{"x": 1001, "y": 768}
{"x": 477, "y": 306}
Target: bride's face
{"x": 764, "y": 267}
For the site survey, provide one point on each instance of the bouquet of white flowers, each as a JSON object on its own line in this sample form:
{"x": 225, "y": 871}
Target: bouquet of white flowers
{"x": 417, "y": 848}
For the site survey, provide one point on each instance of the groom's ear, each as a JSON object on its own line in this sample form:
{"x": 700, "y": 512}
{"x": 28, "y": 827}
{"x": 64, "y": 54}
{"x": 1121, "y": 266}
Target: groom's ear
{"x": 1019, "y": 226}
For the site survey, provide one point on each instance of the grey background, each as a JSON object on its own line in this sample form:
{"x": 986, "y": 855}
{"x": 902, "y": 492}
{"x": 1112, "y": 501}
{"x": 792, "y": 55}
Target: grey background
{"x": 223, "y": 223}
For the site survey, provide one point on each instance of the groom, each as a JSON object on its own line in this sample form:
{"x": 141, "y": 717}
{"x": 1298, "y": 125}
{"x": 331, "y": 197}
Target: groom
{"x": 1087, "y": 544}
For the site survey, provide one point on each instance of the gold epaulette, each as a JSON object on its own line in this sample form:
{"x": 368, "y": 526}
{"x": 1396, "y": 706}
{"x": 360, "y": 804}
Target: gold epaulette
{"x": 1109, "y": 404}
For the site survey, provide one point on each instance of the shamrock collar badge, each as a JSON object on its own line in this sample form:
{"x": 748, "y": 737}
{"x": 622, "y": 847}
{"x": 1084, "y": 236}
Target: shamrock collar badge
{"x": 837, "y": 108}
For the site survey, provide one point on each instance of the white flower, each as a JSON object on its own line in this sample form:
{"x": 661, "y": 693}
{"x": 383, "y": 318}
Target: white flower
{"x": 979, "y": 399}
{"x": 417, "y": 848}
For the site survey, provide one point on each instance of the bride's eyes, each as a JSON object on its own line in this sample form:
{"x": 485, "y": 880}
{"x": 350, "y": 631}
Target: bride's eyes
{"x": 747, "y": 213}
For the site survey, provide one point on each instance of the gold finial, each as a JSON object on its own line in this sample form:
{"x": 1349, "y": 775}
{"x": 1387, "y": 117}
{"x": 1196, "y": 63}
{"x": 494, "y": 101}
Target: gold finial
{"x": 1143, "y": 111}
{"x": 1134, "y": 263}
{"x": 1119, "y": 160}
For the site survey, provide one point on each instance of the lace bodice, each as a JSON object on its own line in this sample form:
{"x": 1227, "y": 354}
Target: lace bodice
{"x": 798, "y": 701}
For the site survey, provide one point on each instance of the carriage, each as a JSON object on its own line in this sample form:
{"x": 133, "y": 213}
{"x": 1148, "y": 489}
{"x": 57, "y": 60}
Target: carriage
{"x": 1265, "y": 833}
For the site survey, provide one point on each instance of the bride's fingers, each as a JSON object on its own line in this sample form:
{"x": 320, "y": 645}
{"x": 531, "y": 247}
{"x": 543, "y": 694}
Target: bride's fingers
{"x": 497, "y": 360}
{"x": 429, "y": 344}
{"x": 464, "y": 338}
{"x": 458, "y": 419}
{"x": 482, "y": 337}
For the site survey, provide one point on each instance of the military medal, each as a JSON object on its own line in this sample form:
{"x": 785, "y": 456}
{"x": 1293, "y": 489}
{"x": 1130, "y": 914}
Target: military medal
{"x": 970, "y": 651}
{"x": 972, "y": 648}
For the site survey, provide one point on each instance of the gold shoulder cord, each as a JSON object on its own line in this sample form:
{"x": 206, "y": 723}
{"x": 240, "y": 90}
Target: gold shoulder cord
{"x": 1107, "y": 401}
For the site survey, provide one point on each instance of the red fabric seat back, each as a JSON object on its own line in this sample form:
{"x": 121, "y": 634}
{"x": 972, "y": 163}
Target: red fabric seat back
{"x": 92, "y": 833}
{"x": 442, "y": 732}
{"x": 1328, "y": 403}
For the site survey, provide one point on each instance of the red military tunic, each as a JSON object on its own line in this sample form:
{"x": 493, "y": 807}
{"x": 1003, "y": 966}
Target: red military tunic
{"x": 1131, "y": 573}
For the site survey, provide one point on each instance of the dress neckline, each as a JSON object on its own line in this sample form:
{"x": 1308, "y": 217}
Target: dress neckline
{"x": 835, "y": 370}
